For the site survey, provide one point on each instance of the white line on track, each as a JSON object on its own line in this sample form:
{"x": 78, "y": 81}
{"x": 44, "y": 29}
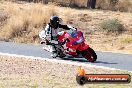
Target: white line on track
{"x": 60, "y": 61}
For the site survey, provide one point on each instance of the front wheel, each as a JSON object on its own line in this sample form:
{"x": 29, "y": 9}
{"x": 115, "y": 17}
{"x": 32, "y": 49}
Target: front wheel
{"x": 89, "y": 54}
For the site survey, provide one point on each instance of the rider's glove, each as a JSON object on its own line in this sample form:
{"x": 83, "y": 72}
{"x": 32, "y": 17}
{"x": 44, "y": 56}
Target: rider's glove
{"x": 74, "y": 43}
{"x": 71, "y": 28}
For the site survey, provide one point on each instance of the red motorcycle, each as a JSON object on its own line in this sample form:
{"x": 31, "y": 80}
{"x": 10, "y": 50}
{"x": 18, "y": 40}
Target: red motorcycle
{"x": 77, "y": 50}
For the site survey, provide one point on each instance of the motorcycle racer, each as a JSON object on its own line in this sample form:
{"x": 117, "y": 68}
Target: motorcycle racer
{"x": 50, "y": 32}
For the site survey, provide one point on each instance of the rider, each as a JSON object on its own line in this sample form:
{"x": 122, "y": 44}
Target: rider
{"x": 51, "y": 31}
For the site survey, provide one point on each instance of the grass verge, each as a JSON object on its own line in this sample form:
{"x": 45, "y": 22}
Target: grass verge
{"x": 28, "y": 73}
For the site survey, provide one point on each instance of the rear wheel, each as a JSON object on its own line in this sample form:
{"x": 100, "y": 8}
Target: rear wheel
{"x": 90, "y": 55}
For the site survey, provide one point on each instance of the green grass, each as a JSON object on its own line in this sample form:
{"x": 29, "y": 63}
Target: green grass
{"x": 112, "y": 25}
{"x": 126, "y": 39}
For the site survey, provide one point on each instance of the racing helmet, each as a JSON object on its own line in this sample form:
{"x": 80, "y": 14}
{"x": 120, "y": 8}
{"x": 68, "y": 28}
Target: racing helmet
{"x": 54, "y": 22}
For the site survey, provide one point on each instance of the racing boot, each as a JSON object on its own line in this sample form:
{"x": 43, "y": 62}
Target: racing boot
{"x": 54, "y": 54}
